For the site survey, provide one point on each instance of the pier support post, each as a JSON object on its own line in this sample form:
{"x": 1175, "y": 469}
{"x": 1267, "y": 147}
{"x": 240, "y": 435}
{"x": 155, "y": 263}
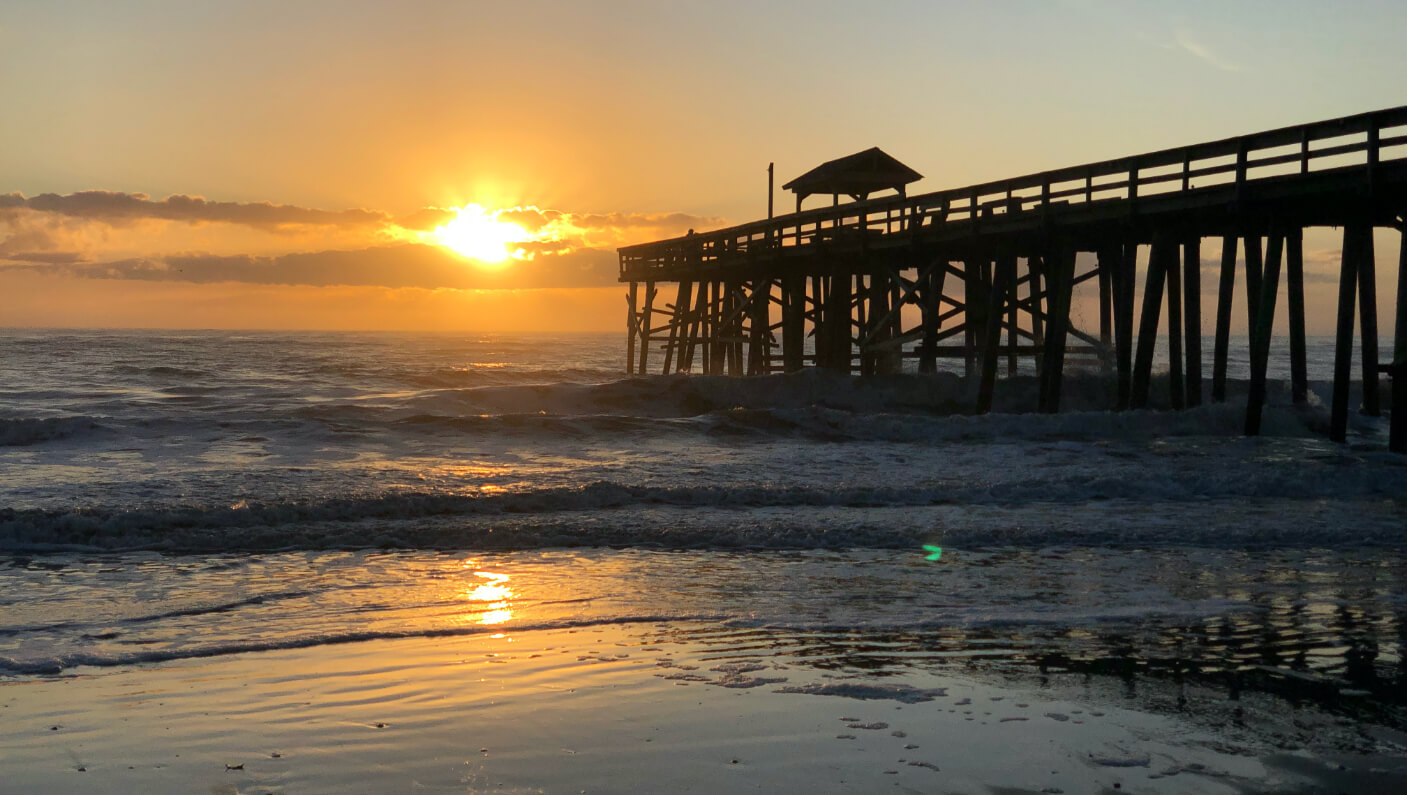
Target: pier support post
{"x": 1176, "y": 390}
{"x": 1061, "y": 276}
{"x": 1397, "y": 432}
{"x": 1262, "y": 332}
{"x": 1226, "y": 288}
{"x": 1036, "y": 292}
{"x": 647, "y": 319}
{"x": 759, "y": 327}
{"x": 678, "y": 325}
{"x": 1124, "y": 280}
{"x": 1254, "y": 266}
{"x": 1294, "y": 283}
{"x": 932, "y": 309}
{"x": 631, "y": 326}
{"x": 793, "y": 322}
{"x": 1343, "y": 339}
{"x": 1148, "y": 322}
{"x": 1192, "y": 310}
{"x": 1004, "y": 275}
{"x": 1368, "y": 320}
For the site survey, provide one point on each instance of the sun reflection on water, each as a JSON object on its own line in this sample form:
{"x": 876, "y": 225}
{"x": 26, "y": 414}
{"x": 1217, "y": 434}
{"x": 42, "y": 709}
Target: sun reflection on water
{"x": 494, "y": 597}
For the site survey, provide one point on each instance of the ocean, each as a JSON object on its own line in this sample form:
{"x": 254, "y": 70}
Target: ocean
{"x": 170, "y": 496}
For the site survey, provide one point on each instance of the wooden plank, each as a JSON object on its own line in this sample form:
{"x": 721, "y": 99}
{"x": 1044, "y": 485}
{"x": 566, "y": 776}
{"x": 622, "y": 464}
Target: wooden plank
{"x": 1226, "y": 289}
{"x": 1192, "y": 310}
{"x": 1263, "y": 331}
{"x": 1343, "y": 338}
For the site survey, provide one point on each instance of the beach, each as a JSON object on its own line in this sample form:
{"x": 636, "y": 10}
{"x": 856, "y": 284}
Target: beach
{"x": 295, "y": 562}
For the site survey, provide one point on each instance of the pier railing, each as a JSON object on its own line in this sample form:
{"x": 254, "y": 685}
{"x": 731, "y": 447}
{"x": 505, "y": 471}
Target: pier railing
{"x": 1361, "y": 143}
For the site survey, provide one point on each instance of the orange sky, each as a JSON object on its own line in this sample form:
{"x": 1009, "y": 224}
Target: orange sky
{"x": 286, "y": 165}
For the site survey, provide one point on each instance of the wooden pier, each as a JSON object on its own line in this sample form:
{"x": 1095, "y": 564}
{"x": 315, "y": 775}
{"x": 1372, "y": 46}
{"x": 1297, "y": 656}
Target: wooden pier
{"x": 986, "y": 273}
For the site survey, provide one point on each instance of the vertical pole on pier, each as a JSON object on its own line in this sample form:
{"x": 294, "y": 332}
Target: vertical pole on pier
{"x": 972, "y": 314}
{"x": 647, "y": 319}
{"x": 1004, "y": 275}
{"x": 1035, "y": 293}
{"x": 1343, "y": 339}
{"x": 759, "y": 326}
{"x": 630, "y": 329}
{"x": 1192, "y": 309}
{"x": 820, "y": 338}
{"x": 838, "y": 322}
{"x": 932, "y": 308}
{"x": 793, "y": 322}
{"x": 1176, "y": 391}
{"x": 1368, "y": 320}
{"x": 736, "y": 307}
{"x": 1013, "y": 338}
{"x": 1262, "y": 331}
{"x": 1062, "y": 277}
{"x": 1124, "y": 279}
{"x": 1148, "y": 321}
{"x": 717, "y": 355}
{"x": 1253, "y": 273}
{"x": 1106, "y": 262}
{"x": 695, "y": 340}
{"x": 1294, "y": 283}
{"x": 1226, "y": 289}
{"x": 1397, "y": 433}
{"x": 678, "y": 326}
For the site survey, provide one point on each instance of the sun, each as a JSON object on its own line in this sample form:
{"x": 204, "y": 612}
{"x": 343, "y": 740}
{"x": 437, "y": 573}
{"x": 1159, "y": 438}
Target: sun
{"x": 477, "y": 234}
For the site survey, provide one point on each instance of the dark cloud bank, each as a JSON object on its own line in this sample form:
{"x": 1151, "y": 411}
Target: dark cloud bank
{"x": 115, "y": 208}
{"x": 412, "y": 265}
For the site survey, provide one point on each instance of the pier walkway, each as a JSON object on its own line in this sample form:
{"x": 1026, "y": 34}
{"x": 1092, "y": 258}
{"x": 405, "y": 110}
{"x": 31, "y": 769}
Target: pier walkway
{"x": 986, "y": 273}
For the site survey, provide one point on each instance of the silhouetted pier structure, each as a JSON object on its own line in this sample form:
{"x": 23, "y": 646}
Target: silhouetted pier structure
{"x": 986, "y": 273}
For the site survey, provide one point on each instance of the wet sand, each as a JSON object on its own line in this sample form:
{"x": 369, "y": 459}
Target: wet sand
{"x": 671, "y": 707}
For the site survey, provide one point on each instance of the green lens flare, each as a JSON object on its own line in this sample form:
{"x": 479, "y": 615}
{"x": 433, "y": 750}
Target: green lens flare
{"x": 934, "y": 553}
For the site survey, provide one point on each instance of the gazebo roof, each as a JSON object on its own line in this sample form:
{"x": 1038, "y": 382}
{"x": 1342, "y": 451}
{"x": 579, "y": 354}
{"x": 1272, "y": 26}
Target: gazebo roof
{"x": 856, "y": 175}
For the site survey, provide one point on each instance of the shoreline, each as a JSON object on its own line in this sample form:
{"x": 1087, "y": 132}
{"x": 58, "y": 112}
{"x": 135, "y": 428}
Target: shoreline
{"x": 654, "y": 707}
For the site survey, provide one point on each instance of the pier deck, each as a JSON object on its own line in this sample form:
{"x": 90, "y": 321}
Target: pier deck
{"x": 986, "y": 273}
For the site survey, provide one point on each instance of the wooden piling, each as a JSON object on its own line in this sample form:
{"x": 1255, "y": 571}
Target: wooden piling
{"x": 1192, "y": 312}
{"x": 1124, "y": 282}
{"x": 1368, "y": 320}
{"x": 1004, "y": 275}
{"x": 1226, "y": 288}
{"x": 1294, "y": 283}
{"x": 793, "y": 323}
{"x": 1343, "y": 338}
{"x": 1262, "y": 332}
{"x": 631, "y": 327}
{"x": 1148, "y": 322}
{"x": 1397, "y": 432}
{"x": 1062, "y": 276}
{"x": 647, "y": 319}
{"x": 1176, "y": 391}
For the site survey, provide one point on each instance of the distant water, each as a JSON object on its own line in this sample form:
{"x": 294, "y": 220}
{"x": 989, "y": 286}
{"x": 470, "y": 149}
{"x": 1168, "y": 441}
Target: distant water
{"x": 175, "y": 494}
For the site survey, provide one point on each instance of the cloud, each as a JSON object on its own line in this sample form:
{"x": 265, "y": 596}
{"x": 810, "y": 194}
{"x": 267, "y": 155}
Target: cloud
{"x": 118, "y": 208}
{"x": 1183, "y": 41}
{"x": 398, "y": 266}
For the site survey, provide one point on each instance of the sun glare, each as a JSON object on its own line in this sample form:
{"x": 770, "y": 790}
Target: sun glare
{"x": 477, "y": 234}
